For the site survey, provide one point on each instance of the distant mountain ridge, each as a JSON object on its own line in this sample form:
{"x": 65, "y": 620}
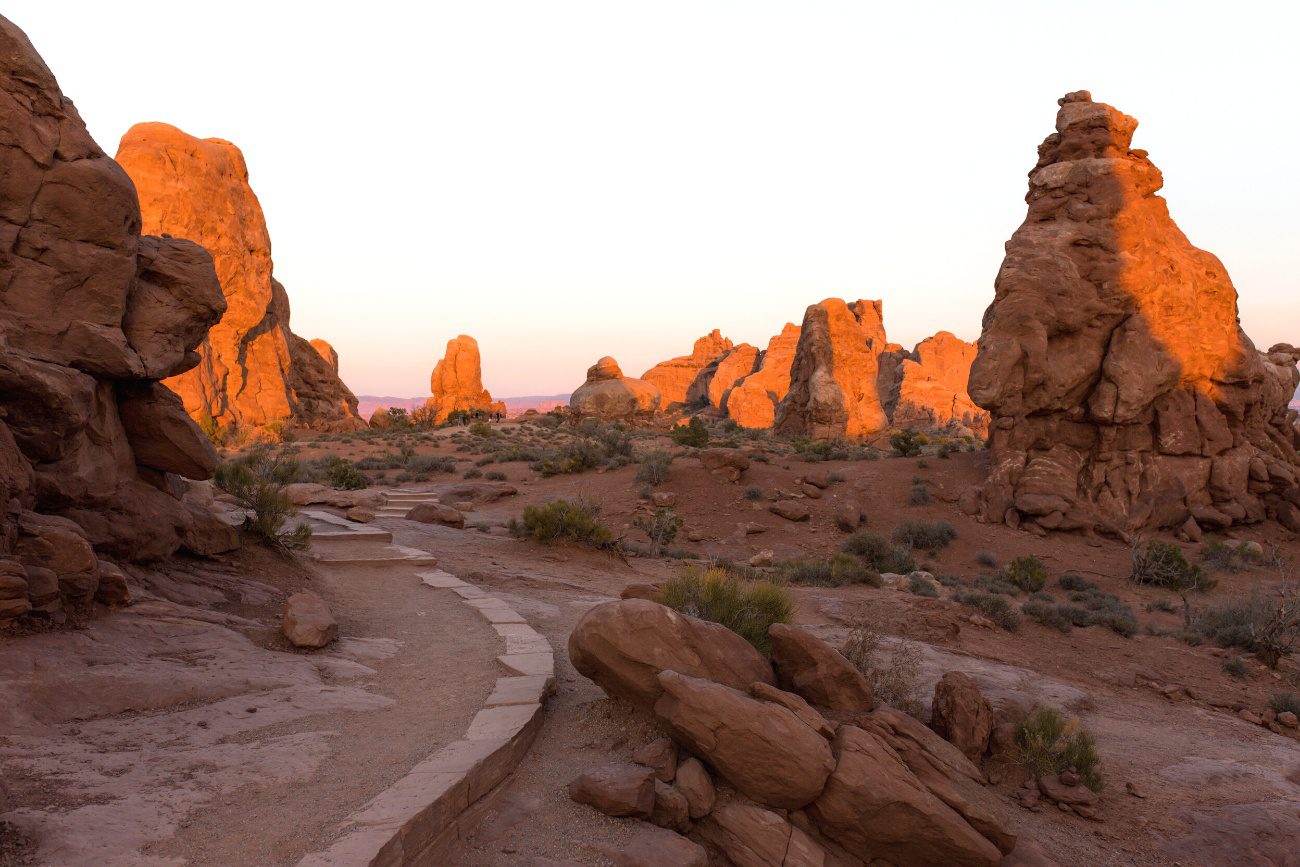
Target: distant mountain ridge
{"x": 368, "y": 403}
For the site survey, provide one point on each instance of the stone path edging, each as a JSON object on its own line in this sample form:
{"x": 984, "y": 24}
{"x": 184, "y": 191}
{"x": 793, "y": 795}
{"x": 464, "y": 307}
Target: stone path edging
{"x": 415, "y": 820}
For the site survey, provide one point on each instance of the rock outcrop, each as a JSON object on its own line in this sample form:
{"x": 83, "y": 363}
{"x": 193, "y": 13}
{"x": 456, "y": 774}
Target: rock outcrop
{"x": 675, "y": 377}
{"x": 832, "y": 391}
{"x": 717, "y": 381}
{"x": 1123, "y": 393}
{"x": 925, "y": 389}
{"x": 254, "y": 372}
{"x": 608, "y": 394}
{"x": 752, "y": 401}
{"x": 327, "y": 352}
{"x": 457, "y": 382}
{"x": 92, "y": 316}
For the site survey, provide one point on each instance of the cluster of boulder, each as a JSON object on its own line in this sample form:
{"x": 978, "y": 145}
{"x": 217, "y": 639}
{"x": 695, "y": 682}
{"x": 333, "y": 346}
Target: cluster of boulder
{"x": 1124, "y": 394}
{"x": 787, "y": 761}
{"x": 94, "y": 449}
{"x": 255, "y": 373}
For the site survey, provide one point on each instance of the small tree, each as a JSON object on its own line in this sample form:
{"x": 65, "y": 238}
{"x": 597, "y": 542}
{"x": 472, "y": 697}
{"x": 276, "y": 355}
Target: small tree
{"x": 694, "y": 434}
{"x": 662, "y": 529}
{"x": 907, "y": 443}
{"x": 259, "y": 482}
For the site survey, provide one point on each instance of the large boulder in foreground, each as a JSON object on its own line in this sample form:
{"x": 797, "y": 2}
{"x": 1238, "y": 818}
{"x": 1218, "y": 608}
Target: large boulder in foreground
{"x": 457, "y": 382}
{"x": 1124, "y": 394}
{"x": 821, "y": 674}
{"x": 762, "y": 748}
{"x": 623, "y": 646}
{"x": 609, "y": 395}
{"x": 255, "y": 371}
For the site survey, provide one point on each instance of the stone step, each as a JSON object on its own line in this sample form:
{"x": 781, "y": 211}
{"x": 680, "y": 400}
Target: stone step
{"x": 386, "y": 554}
{"x": 369, "y": 535}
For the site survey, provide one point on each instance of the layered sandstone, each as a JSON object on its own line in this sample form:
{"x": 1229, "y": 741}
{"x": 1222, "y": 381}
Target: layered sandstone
{"x": 925, "y": 389}
{"x": 92, "y": 315}
{"x": 608, "y": 394}
{"x": 457, "y": 382}
{"x": 254, "y": 372}
{"x": 832, "y": 391}
{"x": 1123, "y": 393}
{"x": 675, "y": 377}
{"x": 752, "y": 401}
{"x": 716, "y": 381}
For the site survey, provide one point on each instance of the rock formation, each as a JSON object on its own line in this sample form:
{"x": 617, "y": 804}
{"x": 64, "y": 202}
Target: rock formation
{"x": 716, "y": 381}
{"x": 1124, "y": 395}
{"x": 925, "y": 389}
{"x": 327, "y": 352}
{"x": 833, "y": 376}
{"x": 255, "y": 371}
{"x": 675, "y": 376}
{"x": 753, "y": 400}
{"x": 92, "y": 315}
{"x": 608, "y": 394}
{"x": 457, "y": 382}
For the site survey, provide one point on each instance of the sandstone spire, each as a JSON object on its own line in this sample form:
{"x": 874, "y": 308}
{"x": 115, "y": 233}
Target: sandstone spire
{"x": 457, "y": 382}
{"x": 254, "y": 371}
{"x": 752, "y": 402}
{"x": 1123, "y": 392}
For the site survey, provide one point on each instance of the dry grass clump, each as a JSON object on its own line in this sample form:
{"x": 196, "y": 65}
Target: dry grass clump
{"x": 879, "y": 554}
{"x": 924, "y": 535}
{"x": 1048, "y": 744}
{"x": 891, "y": 667}
{"x": 561, "y": 521}
{"x": 838, "y": 571}
{"x": 713, "y": 593}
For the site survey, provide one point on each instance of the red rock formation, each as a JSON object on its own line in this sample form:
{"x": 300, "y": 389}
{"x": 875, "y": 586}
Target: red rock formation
{"x": 254, "y": 371}
{"x": 752, "y": 402}
{"x": 92, "y": 315}
{"x": 608, "y": 394}
{"x": 925, "y": 389}
{"x": 833, "y": 376}
{"x": 1124, "y": 395}
{"x": 327, "y": 352}
{"x": 675, "y": 376}
{"x": 717, "y": 380}
{"x": 457, "y": 382}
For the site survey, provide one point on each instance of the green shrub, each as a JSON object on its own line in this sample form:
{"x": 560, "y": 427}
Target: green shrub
{"x": 421, "y": 468}
{"x": 1236, "y": 666}
{"x": 996, "y": 584}
{"x": 920, "y": 495}
{"x": 1028, "y": 573}
{"x": 343, "y": 475}
{"x": 1046, "y": 613}
{"x": 747, "y": 608}
{"x": 1221, "y": 557}
{"x": 1046, "y": 745}
{"x": 481, "y": 429}
{"x": 992, "y": 606}
{"x": 259, "y": 482}
{"x": 879, "y": 554}
{"x": 925, "y": 535}
{"x": 919, "y": 585}
{"x": 1285, "y": 702}
{"x": 1267, "y": 626}
{"x": 1077, "y": 583}
{"x": 574, "y": 457}
{"x": 987, "y": 559}
{"x": 495, "y": 476}
{"x": 1163, "y": 564}
{"x": 661, "y": 527}
{"x": 694, "y": 434}
{"x": 561, "y": 521}
{"x": 473, "y": 473}
{"x": 838, "y": 571}
{"x": 653, "y": 468}
{"x": 753, "y": 493}
{"x": 907, "y": 443}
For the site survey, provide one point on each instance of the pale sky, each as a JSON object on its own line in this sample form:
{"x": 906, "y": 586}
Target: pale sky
{"x": 566, "y": 180}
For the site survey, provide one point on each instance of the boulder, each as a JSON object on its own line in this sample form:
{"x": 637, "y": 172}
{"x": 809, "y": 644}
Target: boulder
{"x": 671, "y": 808}
{"x": 478, "y": 493}
{"x": 677, "y": 378}
{"x": 382, "y": 419}
{"x": 617, "y": 789}
{"x": 849, "y": 516}
{"x": 436, "y": 513}
{"x": 812, "y": 668}
{"x": 694, "y": 782}
{"x": 753, "y": 837}
{"x": 256, "y": 373}
{"x": 307, "y": 621}
{"x": 761, "y": 748}
{"x": 961, "y": 714}
{"x": 1123, "y": 394}
{"x": 112, "y": 589}
{"x": 791, "y": 510}
{"x": 624, "y": 645}
{"x": 360, "y": 514}
{"x": 660, "y": 755}
{"x": 832, "y": 378}
{"x": 161, "y": 434}
{"x": 796, "y": 705}
{"x": 609, "y": 395}
{"x": 726, "y": 464}
{"x": 312, "y": 494}
{"x": 875, "y": 808}
{"x": 457, "y": 382}
{"x": 752, "y": 402}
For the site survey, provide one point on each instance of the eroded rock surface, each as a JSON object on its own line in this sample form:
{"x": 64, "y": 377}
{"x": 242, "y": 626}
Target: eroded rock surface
{"x": 1124, "y": 394}
{"x": 675, "y": 377}
{"x": 457, "y": 382}
{"x": 752, "y": 401}
{"x": 925, "y": 389}
{"x": 608, "y": 394}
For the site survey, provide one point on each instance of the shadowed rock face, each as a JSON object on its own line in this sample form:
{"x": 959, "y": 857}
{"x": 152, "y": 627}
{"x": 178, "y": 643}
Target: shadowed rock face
{"x": 254, "y": 370}
{"x": 752, "y": 402}
{"x": 457, "y": 382}
{"x": 608, "y": 394}
{"x": 1122, "y": 390}
{"x": 92, "y": 315}
{"x": 677, "y": 377}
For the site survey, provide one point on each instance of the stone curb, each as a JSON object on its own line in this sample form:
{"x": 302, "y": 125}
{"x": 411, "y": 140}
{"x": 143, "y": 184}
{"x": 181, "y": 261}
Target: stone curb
{"x": 416, "y": 821}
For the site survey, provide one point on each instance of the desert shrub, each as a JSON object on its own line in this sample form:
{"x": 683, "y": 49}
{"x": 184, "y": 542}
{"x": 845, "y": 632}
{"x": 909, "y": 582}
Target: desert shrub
{"x": 472, "y": 473}
{"x": 421, "y": 468}
{"x": 995, "y": 584}
{"x": 838, "y": 571}
{"x": 747, "y": 608}
{"x": 753, "y": 493}
{"x": 661, "y": 527}
{"x": 1236, "y": 667}
{"x": 949, "y": 580}
{"x": 1028, "y": 573}
{"x": 987, "y": 559}
{"x": 495, "y": 476}
{"x": 481, "y": 429}
{"x": 259, "y": 482}
{"x": 925, "y": 535}
{"x": 892, "y": 668}
{"x": 1285, "y": 702}
{"x": 1163, "y": 564}
{"x": 1221, "y": 557}
{"x": 1046, "y": 613}
{"x": 1267, "y": 626}
{"x": 919, "y": 585}
{"x": 923, "y": 464}
{"x": 879, "y": 554}
{"x": 389, "y": 461}
{"x": 573, "y": 457}
{"x": 561, "y": 521}
{"x": 1161, "y": 605}
{"x": 1047, "y": 744}
{"x": 653, "y": 468}
{"x": 342, "y": 474}
{"x": 991, "y": 605}
{"x": 1076, "y": 583}
{"x": 836, "y": 478}
{"x": 212, "y": 430}
{"x": 694, "y": 434}
{"x": 920, "y": 495}
{"x": 907, "y": 443}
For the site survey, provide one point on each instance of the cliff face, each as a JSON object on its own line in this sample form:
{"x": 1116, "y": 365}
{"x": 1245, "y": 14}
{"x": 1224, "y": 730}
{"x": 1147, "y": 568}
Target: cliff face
{"x": 1123, "y": 392}
{"x": 254, "y": 371}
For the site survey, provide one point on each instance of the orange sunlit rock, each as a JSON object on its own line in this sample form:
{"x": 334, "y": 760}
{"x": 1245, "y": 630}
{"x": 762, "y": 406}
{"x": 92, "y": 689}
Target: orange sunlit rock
{"x": 752, "y": 402}
{"x": 675, "y": 377}
{"x": 457, "y": 382}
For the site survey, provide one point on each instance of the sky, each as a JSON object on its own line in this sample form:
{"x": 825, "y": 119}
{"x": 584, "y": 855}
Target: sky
{"x": 567, "y": 180}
